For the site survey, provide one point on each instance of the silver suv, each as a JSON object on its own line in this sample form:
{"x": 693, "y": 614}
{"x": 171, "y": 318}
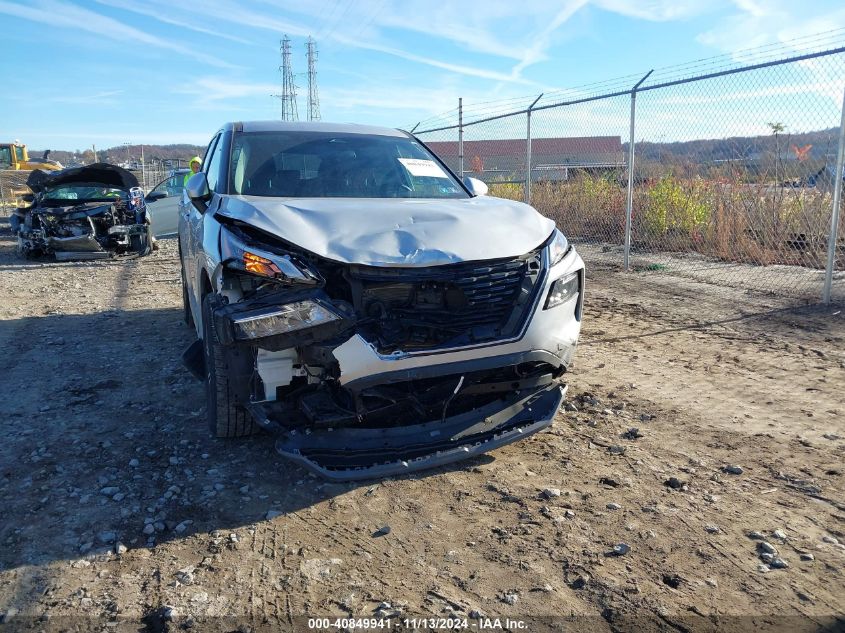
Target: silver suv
{"x": 354, "y": 297}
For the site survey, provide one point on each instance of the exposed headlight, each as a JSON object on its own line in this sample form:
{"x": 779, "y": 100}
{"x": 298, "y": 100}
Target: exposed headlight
{"x": 281, "y": 319}
{"x": 558, "y": 247}
{"x": 237, "y": 254}
{"x": 563, "y": 290}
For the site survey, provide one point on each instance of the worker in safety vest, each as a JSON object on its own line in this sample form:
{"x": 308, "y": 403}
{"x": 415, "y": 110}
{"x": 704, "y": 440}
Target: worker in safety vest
{"x": 195, "y": 164}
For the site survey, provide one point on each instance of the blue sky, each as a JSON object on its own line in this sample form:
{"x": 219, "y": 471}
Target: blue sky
{"x": 115, "y": 71}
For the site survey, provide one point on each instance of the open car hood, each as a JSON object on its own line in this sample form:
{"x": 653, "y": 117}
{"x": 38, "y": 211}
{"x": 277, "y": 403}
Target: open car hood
{"x": 397, "y": 232}
{"x": 96, "y": 174}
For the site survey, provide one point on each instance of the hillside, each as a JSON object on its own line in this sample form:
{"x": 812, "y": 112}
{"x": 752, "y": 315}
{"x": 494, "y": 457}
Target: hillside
{"x": 818, "y": 145}
{"x": 125, "y": 153}
{"x": 822, "y": 145}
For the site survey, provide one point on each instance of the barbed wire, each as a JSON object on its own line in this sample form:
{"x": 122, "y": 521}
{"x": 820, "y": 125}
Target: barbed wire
{"x": 472, "y": 113}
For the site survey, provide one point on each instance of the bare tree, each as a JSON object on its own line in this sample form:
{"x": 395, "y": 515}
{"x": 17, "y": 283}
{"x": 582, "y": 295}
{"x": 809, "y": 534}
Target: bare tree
{"x": 776, "y": 128}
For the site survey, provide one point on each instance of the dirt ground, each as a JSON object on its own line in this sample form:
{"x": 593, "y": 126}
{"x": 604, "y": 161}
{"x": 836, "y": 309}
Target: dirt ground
{"x": 119, "y": 512}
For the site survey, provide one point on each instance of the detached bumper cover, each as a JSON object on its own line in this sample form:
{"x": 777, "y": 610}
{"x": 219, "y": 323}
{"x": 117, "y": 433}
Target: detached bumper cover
{"x": 349, "y": 454}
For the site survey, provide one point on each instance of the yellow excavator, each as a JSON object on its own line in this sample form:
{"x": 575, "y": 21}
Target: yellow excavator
{"x": 14, "y": 156}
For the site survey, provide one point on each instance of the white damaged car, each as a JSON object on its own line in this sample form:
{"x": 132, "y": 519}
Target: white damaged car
{"x": 354, "y": 297}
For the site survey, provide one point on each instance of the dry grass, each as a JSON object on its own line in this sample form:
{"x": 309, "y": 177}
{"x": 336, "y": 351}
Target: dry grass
{"x": 728, "y": 220}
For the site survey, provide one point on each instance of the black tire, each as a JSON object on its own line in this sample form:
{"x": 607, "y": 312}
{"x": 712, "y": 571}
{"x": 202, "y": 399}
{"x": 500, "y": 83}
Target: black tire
{"x": 141, "y": 243}
{"x": 151, "y": 245}
{"x": 225, "y": 417}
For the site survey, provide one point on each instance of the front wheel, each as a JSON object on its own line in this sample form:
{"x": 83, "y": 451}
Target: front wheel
{"x": 226, "y": 418}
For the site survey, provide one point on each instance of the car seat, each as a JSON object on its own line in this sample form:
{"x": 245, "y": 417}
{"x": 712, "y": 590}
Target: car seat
{"x": 267, "y": 181}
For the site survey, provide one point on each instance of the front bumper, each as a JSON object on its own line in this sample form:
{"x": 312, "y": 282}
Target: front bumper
{"x": 349, "y": 454}
{"x": 121, "y": 239}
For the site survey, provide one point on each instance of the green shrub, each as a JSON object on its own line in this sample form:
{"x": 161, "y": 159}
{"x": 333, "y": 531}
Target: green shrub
{"x": 509, "y": 190}
{"x": 677, "y": 206}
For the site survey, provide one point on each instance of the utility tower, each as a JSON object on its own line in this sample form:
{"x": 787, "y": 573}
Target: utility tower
{"x": 313, "y": 95}
{"x": 288, "y": 96}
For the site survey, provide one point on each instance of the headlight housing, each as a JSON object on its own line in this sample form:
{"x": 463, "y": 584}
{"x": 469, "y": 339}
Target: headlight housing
{"x": 558, "y": 247}
{"x": 239, "y": 253}
{"x": 283, "y": 319}
{"x": 564, "y": 289}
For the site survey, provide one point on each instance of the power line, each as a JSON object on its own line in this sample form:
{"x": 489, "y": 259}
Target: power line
{"x": 369, "y": 20}
{"x": 327, "y": 35}
{"x": 329, "y": 22}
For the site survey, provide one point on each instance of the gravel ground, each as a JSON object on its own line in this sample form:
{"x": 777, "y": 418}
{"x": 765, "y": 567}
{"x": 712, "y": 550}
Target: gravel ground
{"x": 801, "y": 284}
{"x": 694, "y": 481}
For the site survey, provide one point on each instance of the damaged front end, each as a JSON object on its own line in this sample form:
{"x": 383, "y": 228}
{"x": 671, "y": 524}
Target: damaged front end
{"x": 367, "y": 371}
{"x": 92, "y": 212}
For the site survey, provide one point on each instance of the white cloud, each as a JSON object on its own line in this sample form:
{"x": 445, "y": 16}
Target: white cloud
{"x": 225, "y": 10}
{"x": 428, "y": 61}
{"x": 495, "y": 28}
{"x": 657, "y": 10}
{"x": 782, "y": 22}
{"x": 232, "y": 13}
{"x": 386, "y": 98}
{"x": 219, "y": 89}
{"x": 105, "y": 97}
{"x": 537, "y": 51}
{"x": 777, "y": 29}
{"x": 69, "y": 16}
{"x": 164, "y": 17}
{"x": 752, "y": 7}
{"x": 370, "y": 96}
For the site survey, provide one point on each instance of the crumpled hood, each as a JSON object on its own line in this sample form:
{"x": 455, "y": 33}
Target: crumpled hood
{"x": 97, "y": 174}
{"x": 399, "y": 232}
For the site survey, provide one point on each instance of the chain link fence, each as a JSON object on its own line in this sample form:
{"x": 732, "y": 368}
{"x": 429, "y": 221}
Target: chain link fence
{"x": 733, "y": 171}
{"x": 12, "y": 184}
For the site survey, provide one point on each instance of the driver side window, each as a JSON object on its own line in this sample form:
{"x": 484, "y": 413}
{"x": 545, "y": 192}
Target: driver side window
{"x": 175, "y": 185}
{"x": 212, "y": 168}
{"x": 163, "y": 187}
{"x": 171, "y": 187}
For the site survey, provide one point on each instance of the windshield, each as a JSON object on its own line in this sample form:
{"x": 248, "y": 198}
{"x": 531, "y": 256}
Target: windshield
{"x": 85, "y": 193}
{"x": 323, "y": 165}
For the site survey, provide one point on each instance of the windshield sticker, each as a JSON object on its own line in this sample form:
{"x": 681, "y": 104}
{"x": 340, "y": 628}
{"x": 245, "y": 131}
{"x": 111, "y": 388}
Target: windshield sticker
{"x": 420, "y": 167}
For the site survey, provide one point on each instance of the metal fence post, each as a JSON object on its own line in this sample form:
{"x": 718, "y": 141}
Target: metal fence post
{"x": 834, "y": 216}
{"x": 629, "y": 204}
{"x": 528, "y": 151}
{"x": 461, "y": 136}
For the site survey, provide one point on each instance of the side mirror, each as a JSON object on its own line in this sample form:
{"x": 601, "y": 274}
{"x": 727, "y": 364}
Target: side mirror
{"x": 198, "y": 191}
{"x": 155, "y": 195}
{"x": 476, "y": 187}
